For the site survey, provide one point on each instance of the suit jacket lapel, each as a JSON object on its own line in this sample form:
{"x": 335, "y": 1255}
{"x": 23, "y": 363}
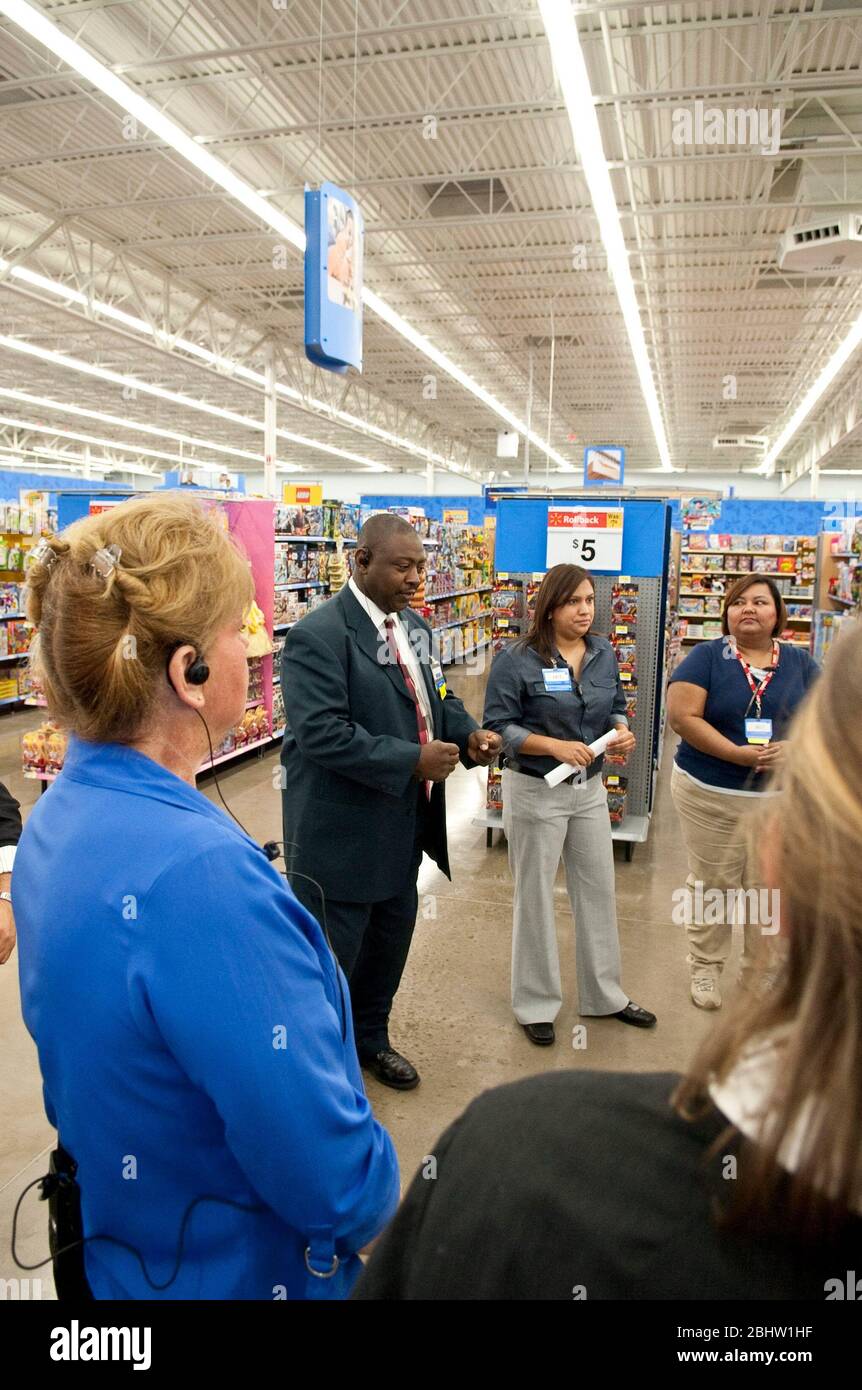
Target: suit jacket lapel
{"x": 370, "y": 641}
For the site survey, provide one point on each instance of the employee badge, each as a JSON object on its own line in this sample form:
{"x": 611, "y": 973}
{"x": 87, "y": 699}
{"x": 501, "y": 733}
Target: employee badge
{"x": 439, "y": 678}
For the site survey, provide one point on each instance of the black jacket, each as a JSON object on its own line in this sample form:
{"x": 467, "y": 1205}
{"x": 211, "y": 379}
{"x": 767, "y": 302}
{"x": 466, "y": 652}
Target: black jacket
{"x": 10, "y": 818}
{"x": 584, "y": 1185}
{"x": 350, "y": 749}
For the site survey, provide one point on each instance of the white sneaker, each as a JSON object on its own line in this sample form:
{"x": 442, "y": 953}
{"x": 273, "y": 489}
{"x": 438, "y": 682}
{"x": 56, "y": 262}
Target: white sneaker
{"x": 704, "y": 987}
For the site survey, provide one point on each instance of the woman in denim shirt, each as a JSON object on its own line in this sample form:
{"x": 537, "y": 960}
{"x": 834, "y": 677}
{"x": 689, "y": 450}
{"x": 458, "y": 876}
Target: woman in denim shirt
{"x": 549, "y": 696}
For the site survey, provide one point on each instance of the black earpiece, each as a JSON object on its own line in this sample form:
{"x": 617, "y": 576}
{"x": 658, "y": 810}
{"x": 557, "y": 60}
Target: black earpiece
{"x": 196, "y": 674}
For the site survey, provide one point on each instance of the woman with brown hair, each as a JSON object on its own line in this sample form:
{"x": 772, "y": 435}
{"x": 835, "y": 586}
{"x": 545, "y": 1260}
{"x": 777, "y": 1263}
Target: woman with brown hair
{"x": 193, "y": 1027}
{"x": 549, "y": 696}
{"x": 741, "y": 1180}
{"x": 730, "y": 701}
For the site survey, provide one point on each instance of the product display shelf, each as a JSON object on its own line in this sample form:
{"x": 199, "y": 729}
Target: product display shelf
{"x": 460, "y": 622}
{"x": 458, "y": 593}
{"x": 704, "y": 583}
{"x": 236, "y": 753}
{"x": 287, "y": 539}
{"x": 838, "y": 585}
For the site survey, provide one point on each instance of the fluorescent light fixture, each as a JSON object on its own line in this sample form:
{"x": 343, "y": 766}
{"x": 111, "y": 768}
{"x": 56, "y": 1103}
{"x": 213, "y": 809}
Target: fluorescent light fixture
{"x": 69, "y": 463}
{"x": 839, "y": 358}
{"x": 223, "y": 364}
{"x": 190, "y": 402}
{"x": 74, "y": 56}
{"x": 568, "y": 59}
{"x": 423, "y": 345}
{"x": 65, "y": 407}
{"x": 39, "y": 27}
{"x": 33, "y": 428}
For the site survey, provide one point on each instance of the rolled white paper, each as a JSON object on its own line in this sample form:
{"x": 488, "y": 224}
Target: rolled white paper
{"x": 559, "y": 773}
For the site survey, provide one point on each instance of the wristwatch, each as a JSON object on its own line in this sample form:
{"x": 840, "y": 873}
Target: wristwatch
{"x": 5, "y": 897}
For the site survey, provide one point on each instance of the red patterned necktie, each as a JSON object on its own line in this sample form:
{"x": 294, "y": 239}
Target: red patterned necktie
{"x": 424, "y": 733}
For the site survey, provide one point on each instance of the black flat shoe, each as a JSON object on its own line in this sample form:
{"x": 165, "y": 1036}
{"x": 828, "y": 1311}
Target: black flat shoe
{"x": 391, "y": 1069}
{"x": 634, "y": 1014}
{"x": 542, "y": 1034}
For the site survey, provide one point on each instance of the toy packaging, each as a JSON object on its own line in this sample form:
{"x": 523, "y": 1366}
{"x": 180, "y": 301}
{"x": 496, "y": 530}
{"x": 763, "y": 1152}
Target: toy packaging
{"x": 494, "y": 799}
{"x": 348, "y": 522}
{"x": 43, "y": 751}
{"x": 616, "y": 784}
{"x": 299, "y": 521}
{"x": 17, "y": 637}
{"x": 10, "y": 600}
{"x": 278, "y": 716}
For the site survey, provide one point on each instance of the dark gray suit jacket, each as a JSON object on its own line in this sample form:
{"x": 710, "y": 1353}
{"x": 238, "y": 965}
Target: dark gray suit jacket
{"x": 350, "y": 749}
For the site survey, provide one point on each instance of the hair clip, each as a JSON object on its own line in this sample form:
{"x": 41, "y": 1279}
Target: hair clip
{"x": 43, "y": 554}
{"x": 105, "y": 561}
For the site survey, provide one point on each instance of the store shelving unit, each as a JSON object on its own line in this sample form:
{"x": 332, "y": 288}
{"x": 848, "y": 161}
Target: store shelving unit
{"x": 702, "y": 584}
{"x": 522, "y": 531}
{"x": 838, "y": 585}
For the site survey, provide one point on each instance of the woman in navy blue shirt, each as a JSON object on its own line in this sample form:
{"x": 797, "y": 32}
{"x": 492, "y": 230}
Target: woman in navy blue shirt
{"x": 193, "y": 1028}
{"x": 730, "y": 701}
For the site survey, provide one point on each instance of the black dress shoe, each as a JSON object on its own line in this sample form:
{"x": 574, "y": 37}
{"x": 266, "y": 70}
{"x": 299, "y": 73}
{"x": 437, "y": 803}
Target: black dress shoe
{"x": 634, "y": 1014}
{"x": 542, "y": 1034}
{"x": 391, "y": 1069}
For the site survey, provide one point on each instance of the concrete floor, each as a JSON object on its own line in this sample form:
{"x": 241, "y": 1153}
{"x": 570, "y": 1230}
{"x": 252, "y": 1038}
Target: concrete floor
{"x": 452, "y": 1016}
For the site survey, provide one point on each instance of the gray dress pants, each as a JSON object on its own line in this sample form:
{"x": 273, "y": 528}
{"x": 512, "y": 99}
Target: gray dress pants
{"x": 543, "y": 825}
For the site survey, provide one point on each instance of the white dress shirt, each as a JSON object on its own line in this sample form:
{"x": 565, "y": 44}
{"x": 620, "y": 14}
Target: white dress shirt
{"x": 405, "y": 648}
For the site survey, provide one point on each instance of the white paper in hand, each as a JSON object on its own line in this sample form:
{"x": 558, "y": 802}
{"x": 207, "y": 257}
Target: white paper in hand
{"x": 559, "y": 773}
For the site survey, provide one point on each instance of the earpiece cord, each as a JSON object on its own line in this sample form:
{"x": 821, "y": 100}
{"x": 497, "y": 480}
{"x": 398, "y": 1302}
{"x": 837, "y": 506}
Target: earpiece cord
{"x": 288, "y": 874}
{"x": 114, "y": 1240}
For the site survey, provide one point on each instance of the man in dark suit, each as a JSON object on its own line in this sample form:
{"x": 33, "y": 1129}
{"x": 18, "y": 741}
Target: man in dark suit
{"x": 371, "y": 735}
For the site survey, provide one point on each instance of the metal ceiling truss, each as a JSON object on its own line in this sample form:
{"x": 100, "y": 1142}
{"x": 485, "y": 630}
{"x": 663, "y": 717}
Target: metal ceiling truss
{"x": 837, "y": 427}
{"x": 483, "y": 269}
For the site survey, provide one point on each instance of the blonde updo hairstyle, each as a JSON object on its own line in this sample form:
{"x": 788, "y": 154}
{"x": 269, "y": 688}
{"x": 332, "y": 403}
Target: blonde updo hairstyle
{"x": 102, "y": 643}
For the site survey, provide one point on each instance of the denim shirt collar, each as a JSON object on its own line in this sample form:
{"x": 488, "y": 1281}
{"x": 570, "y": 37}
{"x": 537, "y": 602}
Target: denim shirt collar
{"x": 590, "y": 653}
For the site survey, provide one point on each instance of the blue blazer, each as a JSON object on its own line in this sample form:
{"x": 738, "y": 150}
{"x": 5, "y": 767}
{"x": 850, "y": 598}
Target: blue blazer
{"x": 350, "y": 749}
{"x": 190, "y": 1032}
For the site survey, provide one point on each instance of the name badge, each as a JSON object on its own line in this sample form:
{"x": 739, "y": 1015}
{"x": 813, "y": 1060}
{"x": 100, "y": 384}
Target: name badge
{"x": 758, "y": 730}
{"x": 439, "y": 678}
{"x": 556, "y": 678}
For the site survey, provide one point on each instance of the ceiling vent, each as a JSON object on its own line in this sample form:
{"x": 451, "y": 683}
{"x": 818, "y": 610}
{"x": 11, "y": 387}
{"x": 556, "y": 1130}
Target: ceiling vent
{"x": 466, "y": 197}
{"x": 785, "y": 181}
{"x": 832, "y": 243}
{"x": 740, "y": 441}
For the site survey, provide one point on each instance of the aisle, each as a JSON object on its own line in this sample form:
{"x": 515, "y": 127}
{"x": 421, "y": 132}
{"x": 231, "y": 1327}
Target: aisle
{"x": 452, "y": 1016}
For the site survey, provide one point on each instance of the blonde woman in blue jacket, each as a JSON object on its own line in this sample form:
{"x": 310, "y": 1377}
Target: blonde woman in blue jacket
{"x": 193, "y": 1028}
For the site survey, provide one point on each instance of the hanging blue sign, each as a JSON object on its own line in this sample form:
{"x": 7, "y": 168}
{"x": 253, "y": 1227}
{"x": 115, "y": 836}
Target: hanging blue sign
{"x": 604, "y": 465}
{"x": 333, "y": 279}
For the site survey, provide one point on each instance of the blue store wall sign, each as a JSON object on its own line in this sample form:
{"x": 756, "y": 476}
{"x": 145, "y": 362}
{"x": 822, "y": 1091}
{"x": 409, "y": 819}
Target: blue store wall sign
{"x": 333, "y": 279}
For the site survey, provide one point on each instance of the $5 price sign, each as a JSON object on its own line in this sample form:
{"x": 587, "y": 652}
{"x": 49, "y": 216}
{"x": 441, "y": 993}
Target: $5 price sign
{"x": 587, "y": 536}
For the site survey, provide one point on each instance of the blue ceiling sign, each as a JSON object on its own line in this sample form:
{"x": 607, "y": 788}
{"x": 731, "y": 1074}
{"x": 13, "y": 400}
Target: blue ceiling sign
{"x": 333, "y": 279}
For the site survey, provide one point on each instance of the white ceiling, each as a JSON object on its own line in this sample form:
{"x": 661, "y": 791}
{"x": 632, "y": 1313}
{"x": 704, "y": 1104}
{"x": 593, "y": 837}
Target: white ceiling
{"x": 470, "y": 235}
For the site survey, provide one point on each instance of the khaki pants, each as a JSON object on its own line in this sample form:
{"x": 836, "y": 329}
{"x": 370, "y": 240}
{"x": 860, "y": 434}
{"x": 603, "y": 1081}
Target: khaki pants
{"x": 714, "y": 832}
